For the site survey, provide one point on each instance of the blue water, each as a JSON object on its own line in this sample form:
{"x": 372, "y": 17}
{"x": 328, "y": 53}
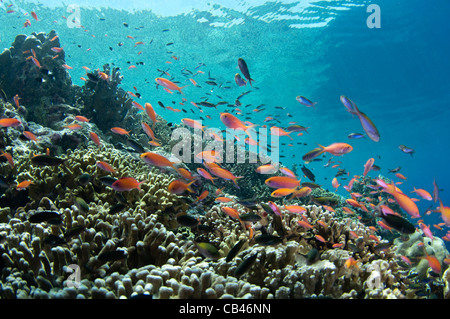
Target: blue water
{"x": 397, "y": 74}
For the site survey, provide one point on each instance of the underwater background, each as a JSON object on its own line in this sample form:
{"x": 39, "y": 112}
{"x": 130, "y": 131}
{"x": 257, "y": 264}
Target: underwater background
{"x": 396, "y": 73}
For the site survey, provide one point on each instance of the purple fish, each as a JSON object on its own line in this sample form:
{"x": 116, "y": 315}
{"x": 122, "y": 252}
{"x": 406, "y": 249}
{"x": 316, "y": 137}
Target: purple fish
{"x": 303, "y": 100}
{"x": 367, "y": 124}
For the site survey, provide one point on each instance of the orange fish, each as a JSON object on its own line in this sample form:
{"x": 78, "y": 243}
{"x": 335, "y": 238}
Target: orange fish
{"x": 178, "y": 187}
{"x": 422, "y": 193}
{"x": 30, "y": 136}
{"x": 67, "y": 67}
{"x": 157, "y": 160}
{"x": 202, "y": 196}
{"x": 185, "y": 173}
{"x": 403, "y": 201}
{"x": 230, "y": 211}
{"x": 169, "y": 85}
{"x": 193, "y": 123}
{"x": 233, "y": 122}
{"x": 351, "y": 262}
{"x": 320, "y": 238}
{"x": 9, "y": 158}
{"x": 209, "y": 156}
{"x": 276, "y": 131}
{"x": 335, "y": 183}
{"x": 119, "y": 130}
{"x": 295, "y": 209}
{"x": 23, "y": 185}
{"x": 126, "y": 184}
{"x": 27, "y": 23}
{"x": 81, "y": 118}
{"x": 94, "y": 137}
{"x": 302, "y": 192}
{"x": 337, "y": 245}
{"x": 266, "y": 169}
{"x": 433, "y": 262}
{"x": 281, "y": 192}
{"x": 73, "y": 127}
{"x": 7, "y": 122}
{"x": 151, "y": 113}
{"x": 368, "y": 166}
{"x": 105, "y": 166}
{"x": 204, "y": 173}
{"x": 148, "y": 130}
{"x": 34, "y": 15}
{"x": 445, "y": 212}
{"x": 16, "y": 100}
{"x": 225, "y": 174}
{"x": 282, "y": 182}
{"x": 304, "y": 224}
{"x": 223, "y": 199}
{"x": 337, "y": 149}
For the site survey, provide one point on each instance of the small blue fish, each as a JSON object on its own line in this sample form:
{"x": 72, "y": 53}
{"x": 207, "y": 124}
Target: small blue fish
{"x": 303, "y": 100}
{"x": 406, "y": 149}
{"x": 244, "y": 69}
{"x": 356, "y": 135}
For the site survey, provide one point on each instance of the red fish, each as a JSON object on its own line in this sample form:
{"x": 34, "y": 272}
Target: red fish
{"x": 169, "y": 85}
{"x": 157, "y": 160}
{"x": 34, "y": 15}
{"x": 233, "y": 122}
{"x": 105, "y": 166}
{"x": 7, "y": 122}
{"x": 368, "y": 166}
{"x": 23, "y": 185}
{"x": 204, "y": 173}
{"x": 282, "y": 182}
{"x": 30, "y": 136}
{"x": 126, "y": 184}
{"x": 9, "y": 158}
{"x": 225, "y": 174}
{"x": 119, "y": 130}
{"x": 94, "y": 137}
{"x": 178, "y": 187}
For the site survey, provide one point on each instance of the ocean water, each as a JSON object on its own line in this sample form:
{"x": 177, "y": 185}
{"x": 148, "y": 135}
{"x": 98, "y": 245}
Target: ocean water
{"x": 397, "y": 72}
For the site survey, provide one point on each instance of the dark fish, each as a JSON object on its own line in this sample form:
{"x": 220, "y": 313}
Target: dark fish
{"x": 248, "y": 202}
{"x": 312, "y": 256}
{"x": 112, "y": 255}
{"x": 235, "y": 250}
{"x": 435, "y": 191}
{"x": 211, "y": 83}
{"x": 135, "y": 145}
{"x": 81, "y": 204}
{"x": 341, "y": 171}
{"x": 398, "y": 223}
{"x": 125, "y": 25}
{"x": 74, "y": 231}
{"x": 245, "y": 265}
{"x": 267, "y": 209}
{"x": 207, "y": 104}
{"x": 268, "y": 240}
{"x": 244, "y": 69}
{"x": 93, "y": 77}
{"x": 53, "y": 240}
{"x": 308, "y": 173}
{"x": 325, "y": 200}
{"x": 312, "y": 154}
{"x": 382, "y": 246}
{"x": 249, "y": 217}
{"x": 46, "y": 160}
{"x": 406, "y": 149}
{"x": 170, "y": 43}
{"x": 395, "y": 170}
{"x": 117, "y": 208}
{"x": 208, "y": 250}
{"x": 310, "y": 185}
{"x": 48, "y": 216}
{"x": 187, "y": 220}
{"x": 297, "y": 128}
{"x": 107, "y": 180}
{"x": 84, "y": 179}
{"x": 161, "y": 104}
